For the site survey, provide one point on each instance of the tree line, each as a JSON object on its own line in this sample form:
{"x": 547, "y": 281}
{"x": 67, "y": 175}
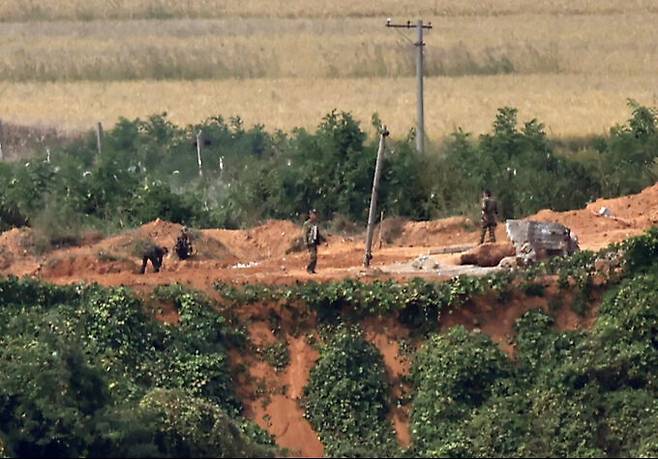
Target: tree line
{"x": 149, "y": 169}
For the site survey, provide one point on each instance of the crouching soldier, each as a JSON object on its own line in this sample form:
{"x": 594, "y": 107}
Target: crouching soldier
{"x": 312, "y": 238}
{"x": 183, "y": 247}
{"x": 154, "y": 253}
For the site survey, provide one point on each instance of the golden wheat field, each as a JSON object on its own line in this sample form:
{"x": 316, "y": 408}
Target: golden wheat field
{"x": 572, "y": 64}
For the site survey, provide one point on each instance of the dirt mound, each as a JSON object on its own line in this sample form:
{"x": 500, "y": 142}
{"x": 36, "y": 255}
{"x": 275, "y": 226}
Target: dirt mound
{"x": 487, "y": 255}
{"x": 17, "y": 242}
{"x": 270, "y": 240}
{"x": 159, "y": 232}
{"x": 446, "y": 231}
{"x": 17, "y": 251}
{"x": 629, "y": 216}
{"x": 165, "y": 233}
{"x": 66, "y": 265}
{"x": 122, "y": 253}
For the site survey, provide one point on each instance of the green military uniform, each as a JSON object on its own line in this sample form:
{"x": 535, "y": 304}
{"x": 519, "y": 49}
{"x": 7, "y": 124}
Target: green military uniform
{"x": 312, "y": 238}
{"x": 183, "y": 246}
{"x": 489, "y": 218}
{"x": 155, "y": 254}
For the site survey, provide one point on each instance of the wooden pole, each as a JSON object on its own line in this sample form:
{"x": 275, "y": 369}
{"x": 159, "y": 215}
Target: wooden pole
{"x": 373, "y": 198}
{"x": 381, "y": 228}
{"x": 99, "y": 137}
{"x": 2, "y": 155}
{"x": 198, "y": 153}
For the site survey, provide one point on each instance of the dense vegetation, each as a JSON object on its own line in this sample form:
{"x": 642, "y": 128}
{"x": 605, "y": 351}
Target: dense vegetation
{"x": 148, "y": 169}
{"x": 347, "y": 398}
{"x": 582, "y": 394}
{"x": 86, "y": 371}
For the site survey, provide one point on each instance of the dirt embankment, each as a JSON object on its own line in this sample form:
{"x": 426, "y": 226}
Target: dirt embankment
{"x": 17, "y": 252}
{"x": 262, "y": 254}
{"x": 272, "y": 398}
{"x": 629, "y": 216}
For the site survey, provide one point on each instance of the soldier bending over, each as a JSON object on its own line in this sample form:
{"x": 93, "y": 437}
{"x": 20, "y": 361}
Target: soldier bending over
{"x": 155, "y": 254}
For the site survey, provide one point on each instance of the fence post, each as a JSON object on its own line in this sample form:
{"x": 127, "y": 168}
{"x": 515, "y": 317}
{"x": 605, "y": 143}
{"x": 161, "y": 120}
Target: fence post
{"x": 198, "y": 153}
{"x": 2, "y": 156}
{"x": 99, "y": 137}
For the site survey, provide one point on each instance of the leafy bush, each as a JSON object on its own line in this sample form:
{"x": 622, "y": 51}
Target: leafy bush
{"x": 194, "y": 427}
{"x": 346, "y": 399}
{"x": 78, "y": 360}
{"x": 149, "y": 169}
{"x": 453, "y": 374}
{"x": 642, "y": 252}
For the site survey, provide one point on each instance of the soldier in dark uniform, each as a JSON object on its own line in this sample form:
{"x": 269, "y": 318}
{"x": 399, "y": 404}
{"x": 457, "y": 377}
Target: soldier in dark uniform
{"x": 155, "y": 254}
{"x": 312, "y": 238}
{"x": 183, "y": 247}
{"x": 489, "y": 216}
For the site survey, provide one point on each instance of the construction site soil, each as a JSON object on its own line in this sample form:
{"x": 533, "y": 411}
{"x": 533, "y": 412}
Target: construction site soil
{"x": 267, "y": 254}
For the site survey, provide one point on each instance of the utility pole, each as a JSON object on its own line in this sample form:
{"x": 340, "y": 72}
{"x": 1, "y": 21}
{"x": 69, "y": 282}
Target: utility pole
{"x": 420, "y": 109}
{"x": 372, "y": 214}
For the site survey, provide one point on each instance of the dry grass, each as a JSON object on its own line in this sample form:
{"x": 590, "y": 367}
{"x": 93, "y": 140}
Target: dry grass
{"x": 570, "y": 105}
{"x": 284, "y": 63}
{"x": 619, "y": 44}
{"x": 85, "y": 10}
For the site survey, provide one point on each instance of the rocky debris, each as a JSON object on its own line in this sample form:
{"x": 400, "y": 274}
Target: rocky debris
{"x": 610, "y": 263}
{"x": 425, "y": 263}
{"x": 487, "y": 255}
{"x": 534, "y": 240}
{"x": 605, "y": 212}
{"x": 509, "y": 262}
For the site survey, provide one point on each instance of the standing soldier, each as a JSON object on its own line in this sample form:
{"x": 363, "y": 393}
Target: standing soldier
{"x": 154, "y": 253}
{"x": 312, "y": 238}
{"x": 183, "y": 247}
{"x": 489, "y": 216}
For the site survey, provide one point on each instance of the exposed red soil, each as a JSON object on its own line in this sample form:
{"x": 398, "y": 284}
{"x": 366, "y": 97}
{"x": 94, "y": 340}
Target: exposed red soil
{"x": 17, "y": 252}
{"x": 260, "y": 255}
{"x": 272, "y": 399}
{"x": 497, "y": 318}
{"x": 387, "y": 334}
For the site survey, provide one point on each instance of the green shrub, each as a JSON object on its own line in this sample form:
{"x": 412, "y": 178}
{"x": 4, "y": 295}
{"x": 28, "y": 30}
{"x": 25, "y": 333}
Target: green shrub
{"x": 194, "y": 427}
{"x": 77, "y": 360}
{"x": 149, "y": 170}
{"x": 452, "y": 374}
{"x": 642, "y": 251}
{"x": 346, "y": 399}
